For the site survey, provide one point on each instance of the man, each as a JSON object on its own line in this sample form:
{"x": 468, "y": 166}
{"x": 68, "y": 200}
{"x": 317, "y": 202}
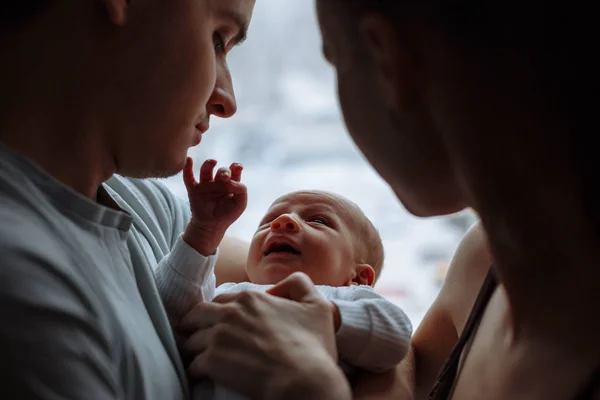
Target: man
{"x": 456, "y": 104}
{"x": 90, "y": 89}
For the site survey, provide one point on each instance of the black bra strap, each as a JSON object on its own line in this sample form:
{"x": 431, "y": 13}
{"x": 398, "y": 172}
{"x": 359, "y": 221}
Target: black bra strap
{"x": 445, "y": 380}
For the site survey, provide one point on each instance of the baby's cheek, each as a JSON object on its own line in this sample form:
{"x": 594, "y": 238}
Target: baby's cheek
{"x": 253, "y": 258}
{"x": 331, "y": 259}
{"x": 252, "y": 271}
{"x": 255, "y": 247}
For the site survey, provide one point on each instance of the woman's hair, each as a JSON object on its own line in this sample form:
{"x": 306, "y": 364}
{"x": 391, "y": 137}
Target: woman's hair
{"x": 16, "y": 13}
{"x": 553, "y": 43}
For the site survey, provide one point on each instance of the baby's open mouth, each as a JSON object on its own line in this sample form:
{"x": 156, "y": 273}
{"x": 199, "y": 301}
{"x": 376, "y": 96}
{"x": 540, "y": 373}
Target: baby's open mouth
{"x": 281, "y": 247}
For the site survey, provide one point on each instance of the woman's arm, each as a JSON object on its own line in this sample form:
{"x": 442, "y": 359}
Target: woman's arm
{"x": 437, "y": 334}
{"x": 231, "y": 265}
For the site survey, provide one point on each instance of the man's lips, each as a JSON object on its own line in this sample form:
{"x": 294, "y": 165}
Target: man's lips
{"x": 202, "y": 127}
{"x": 280, "y": 244}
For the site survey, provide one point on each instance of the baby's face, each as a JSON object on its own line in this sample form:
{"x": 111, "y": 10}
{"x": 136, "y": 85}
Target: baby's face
{"x": 308, "y": 232}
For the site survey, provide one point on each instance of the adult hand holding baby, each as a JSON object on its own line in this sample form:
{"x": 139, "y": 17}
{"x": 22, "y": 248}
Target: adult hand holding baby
{"x": 279, "y": 345}
{"x": 215, "y": 201}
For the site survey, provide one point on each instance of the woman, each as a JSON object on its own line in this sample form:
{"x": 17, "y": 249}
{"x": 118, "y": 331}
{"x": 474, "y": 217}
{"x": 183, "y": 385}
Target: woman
{"x": 456, "y": 104}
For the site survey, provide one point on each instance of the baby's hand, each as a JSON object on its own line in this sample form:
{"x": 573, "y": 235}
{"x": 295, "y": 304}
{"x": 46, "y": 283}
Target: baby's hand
{"x": 215, "y": 202}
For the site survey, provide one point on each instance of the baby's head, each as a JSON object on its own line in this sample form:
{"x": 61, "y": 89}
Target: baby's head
{"x": 322, "y": 234}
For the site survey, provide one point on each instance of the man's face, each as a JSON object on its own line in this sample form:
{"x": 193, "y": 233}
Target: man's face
{"x": 383, "y": 99}
{"x": 308, "y": 232}
{"x": 169, "y": 75}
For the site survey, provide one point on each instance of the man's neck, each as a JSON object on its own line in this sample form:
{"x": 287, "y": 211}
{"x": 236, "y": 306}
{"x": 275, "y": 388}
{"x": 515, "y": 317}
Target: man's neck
{"x": 73, "y": 158}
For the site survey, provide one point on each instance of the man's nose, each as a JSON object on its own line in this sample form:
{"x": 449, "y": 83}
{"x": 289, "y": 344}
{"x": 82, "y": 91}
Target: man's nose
{"x": 222, "y": 102}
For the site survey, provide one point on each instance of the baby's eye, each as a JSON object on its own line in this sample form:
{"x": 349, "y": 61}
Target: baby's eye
{"x": 319, "y": 221}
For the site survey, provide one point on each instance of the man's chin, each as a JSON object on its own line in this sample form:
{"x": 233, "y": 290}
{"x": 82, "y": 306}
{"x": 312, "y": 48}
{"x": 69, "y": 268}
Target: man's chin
{"x": 166, "y": 170}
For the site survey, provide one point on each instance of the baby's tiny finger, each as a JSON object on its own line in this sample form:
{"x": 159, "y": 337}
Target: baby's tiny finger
{"x": 188, "y": 174}
{"x": 206, "y": 171}
{"x": 236, "y": 171}
{"x": 223, "y": 175}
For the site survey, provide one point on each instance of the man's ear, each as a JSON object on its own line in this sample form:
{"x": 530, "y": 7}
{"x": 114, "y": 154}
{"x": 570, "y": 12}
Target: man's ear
{"x": 117, "y": 11}
{"x": 364, "y": 275}
{"x": 394, "y": 59}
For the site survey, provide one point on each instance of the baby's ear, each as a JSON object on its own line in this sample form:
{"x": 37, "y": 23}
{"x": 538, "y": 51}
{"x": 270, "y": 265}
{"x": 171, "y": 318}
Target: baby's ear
{"x": 364, "y": 275}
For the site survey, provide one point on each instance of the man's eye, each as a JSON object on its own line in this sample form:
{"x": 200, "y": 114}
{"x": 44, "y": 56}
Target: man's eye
{"x": 218, "y": 42}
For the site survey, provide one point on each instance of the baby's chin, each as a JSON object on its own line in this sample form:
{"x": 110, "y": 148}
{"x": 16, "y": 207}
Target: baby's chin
{"x": 274, "y": 273}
